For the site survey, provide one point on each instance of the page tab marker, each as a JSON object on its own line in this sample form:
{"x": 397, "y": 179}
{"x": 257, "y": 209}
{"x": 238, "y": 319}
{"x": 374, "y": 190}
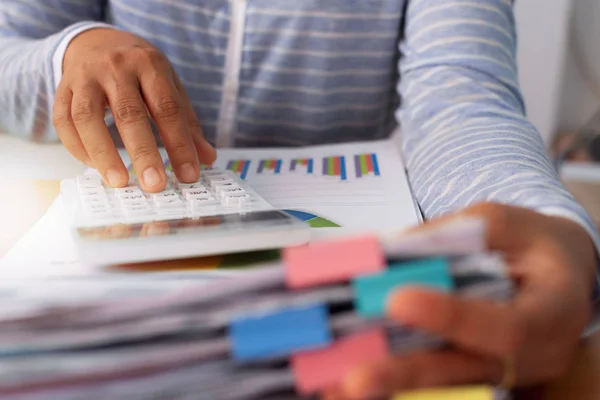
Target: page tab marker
{"x": 280, "y": 333}
{"x": 318, "y": 369}
{"x": 458, "y": 393}
{"x": 371, "y": 291}
{"x": 332, "y": 262}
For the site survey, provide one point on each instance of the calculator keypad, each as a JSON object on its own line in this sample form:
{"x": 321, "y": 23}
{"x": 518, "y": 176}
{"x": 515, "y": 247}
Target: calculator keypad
{"x": 216, "y": 192}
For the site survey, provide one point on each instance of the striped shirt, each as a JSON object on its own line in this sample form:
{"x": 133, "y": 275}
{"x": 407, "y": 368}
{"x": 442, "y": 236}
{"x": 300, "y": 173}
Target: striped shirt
{"x": 281, "y": 72}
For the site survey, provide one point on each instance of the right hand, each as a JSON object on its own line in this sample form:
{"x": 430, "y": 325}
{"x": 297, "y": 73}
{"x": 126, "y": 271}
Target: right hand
{"x": 110, "y": 68}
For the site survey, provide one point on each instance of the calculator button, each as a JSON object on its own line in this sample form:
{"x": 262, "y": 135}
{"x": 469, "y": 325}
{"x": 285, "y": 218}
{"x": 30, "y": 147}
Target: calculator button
{"x": 230, "y": 191}
{"x": 99, "y": 214}
{"x": 96, "y": 206}
{"x": 213, "y": 182}
{"x": 169, "y": 203}
{"x": 223, "y": 185}
{"x": 95, "y": 200}
{"x": 184, "y": 187}
{"x": 92, "y": 192}
{"x": 88, "y": 178}
{"x": 170, "y": 193}
{"x": 202, "y": 201}
{"x": 132, "y": 198}
{"x": 138, "y": 211}
{"x": 197, "y": 193}
{"x": 127, "y": 191}
{"x": 194, "y": 190}
{"x": 171, "y": 213}
{"x": 89, "y": 182}
{"x": 237, "y": 199}
{"x": 209, "y": 173}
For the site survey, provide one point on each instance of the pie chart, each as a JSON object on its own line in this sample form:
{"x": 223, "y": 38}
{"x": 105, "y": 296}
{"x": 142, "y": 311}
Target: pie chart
{"x": 314, "y": 221}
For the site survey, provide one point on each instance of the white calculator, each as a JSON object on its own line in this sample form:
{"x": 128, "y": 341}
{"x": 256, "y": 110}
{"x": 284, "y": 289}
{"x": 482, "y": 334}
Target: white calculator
{"x": 219, "y": 214}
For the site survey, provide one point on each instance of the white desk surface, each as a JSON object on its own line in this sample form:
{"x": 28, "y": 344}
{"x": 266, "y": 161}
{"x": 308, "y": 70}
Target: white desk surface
{"x": 20, "y": 159}
{"x": 29, "y": 175}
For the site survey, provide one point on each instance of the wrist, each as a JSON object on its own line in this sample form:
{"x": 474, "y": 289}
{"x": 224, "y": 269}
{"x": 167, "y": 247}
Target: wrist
{"x": 61, "y": 48}
{"x": 581, "y": 247}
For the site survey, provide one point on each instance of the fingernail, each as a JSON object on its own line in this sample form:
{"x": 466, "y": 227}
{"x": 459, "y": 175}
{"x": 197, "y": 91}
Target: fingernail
{"x": 188, "y": 172}
{"x": 151, "y": 177}
{"x": 114, "y": 177}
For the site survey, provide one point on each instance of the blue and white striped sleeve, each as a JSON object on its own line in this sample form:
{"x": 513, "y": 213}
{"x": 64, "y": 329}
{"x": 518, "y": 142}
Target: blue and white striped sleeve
{"x": 32, "y": 32}
{"x": 465, "y": 135}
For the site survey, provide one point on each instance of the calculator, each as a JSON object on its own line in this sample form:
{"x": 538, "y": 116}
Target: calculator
{"x": 218, "y": 214}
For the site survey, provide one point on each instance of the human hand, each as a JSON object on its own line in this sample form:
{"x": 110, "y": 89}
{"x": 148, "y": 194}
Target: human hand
{"x": 553, "y": 263}
{"x": 107, "y": 67}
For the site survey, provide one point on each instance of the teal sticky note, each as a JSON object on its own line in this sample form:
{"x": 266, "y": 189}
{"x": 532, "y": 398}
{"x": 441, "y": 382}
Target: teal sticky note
{"x": 371, "y": 291}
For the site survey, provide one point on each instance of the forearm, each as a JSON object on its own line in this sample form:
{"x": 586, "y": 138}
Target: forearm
{"x": 32, "y": 37}
{"x": 465, "y": 135}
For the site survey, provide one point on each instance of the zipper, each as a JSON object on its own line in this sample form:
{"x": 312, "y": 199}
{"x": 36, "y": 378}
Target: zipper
{"x": 231, "y": 77}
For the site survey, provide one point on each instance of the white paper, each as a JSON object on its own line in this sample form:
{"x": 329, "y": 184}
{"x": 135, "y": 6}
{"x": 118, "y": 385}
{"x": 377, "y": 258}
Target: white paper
{"x": 370, "y": 203}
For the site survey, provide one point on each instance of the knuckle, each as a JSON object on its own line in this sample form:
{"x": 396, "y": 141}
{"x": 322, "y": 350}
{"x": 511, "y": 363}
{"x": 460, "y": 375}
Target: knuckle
{"x": 195, "y": 126}
{"x": 129, "y": 112}
{"x": 168, "y": 109}
{"x": 149, "y": 54}
{"x": 178, "y": 146}
{"x": 114, "y": 58}
{"x": 60, "y": 121}
{"x": 98, "y": 153}
{"x": 142, "y": 152}
{"x": 82, "y": 111}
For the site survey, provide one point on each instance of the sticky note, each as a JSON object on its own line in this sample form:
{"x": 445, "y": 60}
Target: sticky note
{"x": 280, "y": 333}
{"x": 455, "y": 393}
{"x": 371, "y": 291}
{"x": 333, "y": 261}
{"x": 318, "y": 369}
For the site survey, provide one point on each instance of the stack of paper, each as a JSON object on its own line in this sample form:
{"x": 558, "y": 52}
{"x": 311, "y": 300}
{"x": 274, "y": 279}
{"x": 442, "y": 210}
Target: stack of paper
{"x": 284, "y": 330}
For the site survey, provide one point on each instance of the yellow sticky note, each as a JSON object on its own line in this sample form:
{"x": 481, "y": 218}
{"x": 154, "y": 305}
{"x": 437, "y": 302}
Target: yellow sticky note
{"x": 457, "y": 393}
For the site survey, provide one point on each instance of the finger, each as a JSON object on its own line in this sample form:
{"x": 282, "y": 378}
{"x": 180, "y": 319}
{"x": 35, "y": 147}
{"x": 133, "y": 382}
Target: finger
{"x": 484, "y": 327}
{"x": 65, "y": 127}
{"x": 206, "y": 153}
{"x": 87, "y": 113}
{"x": 419, "y": 370}
{"x": 508, "y": 228}
{"x": 167, "y": 110}
{"x": 133, "y": 123}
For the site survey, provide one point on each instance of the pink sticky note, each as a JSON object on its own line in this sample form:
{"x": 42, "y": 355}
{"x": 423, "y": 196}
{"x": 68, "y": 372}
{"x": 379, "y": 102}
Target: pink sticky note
{"x": 319, "y": 369}
{"x": 333, "y": 261}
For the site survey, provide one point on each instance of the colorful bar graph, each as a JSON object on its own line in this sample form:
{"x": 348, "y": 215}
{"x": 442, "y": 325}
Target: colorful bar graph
{"x": 270, "y": 165}
{"x": 335, "y": 166}
{"x": 239, "y": 167}
{"x": 302, "y": 165}
{"x": 366, "y": 165}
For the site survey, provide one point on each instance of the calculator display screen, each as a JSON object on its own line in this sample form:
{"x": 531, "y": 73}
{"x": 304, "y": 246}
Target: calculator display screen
{"x": 217, "y": 223}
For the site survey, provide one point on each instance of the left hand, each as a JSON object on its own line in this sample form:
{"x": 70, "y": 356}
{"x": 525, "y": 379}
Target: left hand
{"x": 553, "y": 262}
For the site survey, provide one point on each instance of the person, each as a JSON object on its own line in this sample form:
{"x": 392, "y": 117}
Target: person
{"x": 192, "y": 75}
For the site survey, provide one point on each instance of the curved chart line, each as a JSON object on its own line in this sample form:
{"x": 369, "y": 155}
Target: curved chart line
{"x": 314, "y": 221}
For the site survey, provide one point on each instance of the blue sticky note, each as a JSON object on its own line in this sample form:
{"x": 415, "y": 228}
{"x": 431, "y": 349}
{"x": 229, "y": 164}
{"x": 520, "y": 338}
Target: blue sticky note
{"x": 282, "y": 332}
{"x": 371, "y": 291}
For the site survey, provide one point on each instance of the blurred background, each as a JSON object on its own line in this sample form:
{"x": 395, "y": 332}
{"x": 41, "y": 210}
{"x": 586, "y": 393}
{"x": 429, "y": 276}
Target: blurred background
{"x": 559, "y": 62}
{"x": 559, "y": 57}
